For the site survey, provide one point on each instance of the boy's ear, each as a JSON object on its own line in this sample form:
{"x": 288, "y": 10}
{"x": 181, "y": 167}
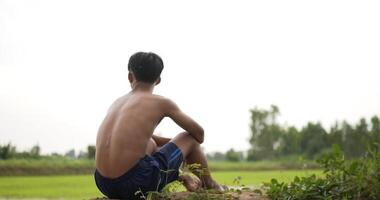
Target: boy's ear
{"x": 158, "y": 81}
{"x": 130, "y": 77}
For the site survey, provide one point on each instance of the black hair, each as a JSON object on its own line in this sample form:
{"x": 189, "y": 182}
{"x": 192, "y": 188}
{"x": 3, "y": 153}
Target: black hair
{"x": 146, "y": 66}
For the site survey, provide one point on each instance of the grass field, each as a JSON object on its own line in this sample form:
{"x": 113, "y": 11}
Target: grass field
{"x": 83, "y": 186}
{"x": 66, "y": 166}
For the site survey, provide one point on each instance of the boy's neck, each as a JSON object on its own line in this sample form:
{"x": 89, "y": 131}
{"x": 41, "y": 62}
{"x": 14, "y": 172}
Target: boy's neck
{"x": 142, "y": 87}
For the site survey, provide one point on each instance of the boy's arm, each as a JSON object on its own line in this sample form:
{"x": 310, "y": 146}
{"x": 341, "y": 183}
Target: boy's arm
{"x": 160, "y": 141}
{"x": 184, "y": 121}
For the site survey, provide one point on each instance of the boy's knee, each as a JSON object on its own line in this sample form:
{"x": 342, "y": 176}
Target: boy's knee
{"x": 191, "y": 139}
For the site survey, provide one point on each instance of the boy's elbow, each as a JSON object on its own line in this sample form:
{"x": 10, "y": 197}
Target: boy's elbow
{"x": 201, "y": 135}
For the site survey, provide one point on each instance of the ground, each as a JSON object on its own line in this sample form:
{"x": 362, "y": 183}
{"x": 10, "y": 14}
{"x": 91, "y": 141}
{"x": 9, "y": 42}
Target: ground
{"x": 244, "y": 195}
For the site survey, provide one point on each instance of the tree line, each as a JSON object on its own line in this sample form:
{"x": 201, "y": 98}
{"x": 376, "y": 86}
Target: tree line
{"x": 269, "y": 139}
{"x": 9, "y": 151}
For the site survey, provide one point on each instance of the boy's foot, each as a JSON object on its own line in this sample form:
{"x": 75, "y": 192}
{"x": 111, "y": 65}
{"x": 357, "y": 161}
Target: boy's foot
{"x": 215, "y": 186}
{"x": 191, "y": 183}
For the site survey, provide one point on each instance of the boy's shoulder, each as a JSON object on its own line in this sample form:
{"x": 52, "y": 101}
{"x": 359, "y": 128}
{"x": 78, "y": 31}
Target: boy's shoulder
{"x": 159, "y": 100}
{"x": 163, "y": 101}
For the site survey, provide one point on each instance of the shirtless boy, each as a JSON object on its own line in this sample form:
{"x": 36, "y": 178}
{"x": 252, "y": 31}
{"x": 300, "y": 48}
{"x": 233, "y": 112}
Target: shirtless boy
{"x": 129, "y": 157}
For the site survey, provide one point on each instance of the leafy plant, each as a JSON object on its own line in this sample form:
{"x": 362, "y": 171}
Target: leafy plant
{"x": 343, "y": 179}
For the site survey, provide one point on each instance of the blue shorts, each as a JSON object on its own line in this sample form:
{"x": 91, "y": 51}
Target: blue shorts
{"x": 151, "y": 173}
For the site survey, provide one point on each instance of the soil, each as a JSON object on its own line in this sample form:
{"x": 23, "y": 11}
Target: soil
{"x": 245, "y": 195}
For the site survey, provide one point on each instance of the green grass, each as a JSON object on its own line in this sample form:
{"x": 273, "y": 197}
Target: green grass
{"x": 257, "y": 178}
{"x": 83, "y": 186}
{"x": 66, "y": 166}
{"x": 296, "y": 164}
{"x": 53, "y": 187}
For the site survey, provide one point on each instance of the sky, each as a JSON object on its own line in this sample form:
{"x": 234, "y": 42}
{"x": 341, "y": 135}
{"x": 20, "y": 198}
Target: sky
{"x": 62, "y": 63}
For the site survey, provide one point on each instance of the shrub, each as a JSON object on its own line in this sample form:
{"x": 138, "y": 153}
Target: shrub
{"x": 356, "y": 179}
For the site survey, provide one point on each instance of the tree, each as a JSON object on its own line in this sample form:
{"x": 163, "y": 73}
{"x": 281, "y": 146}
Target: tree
{"x": 234, "y": 156}
{"x": 82, "y": 155}
{"x": 362, "y": 138}
{"x": 356, "y": 139}
{"x": 313, "y": 139}
{"x": 55, "y": 154}
{"x": 290, "y": 142}
{"x": 375, "y": 130}
{"x": 35, "y": 151}
{"x": 348, "y": 139}
{"x": 70, "y": 154}
{"x": 7, "y": 151}
{"x": 216, "y": 156}
{"x": 91, "y": 149}
{"x": 265, "y": 133}
{"x": 336, "y": 135}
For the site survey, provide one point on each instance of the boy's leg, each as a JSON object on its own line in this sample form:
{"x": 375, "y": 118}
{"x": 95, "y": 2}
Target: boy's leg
{"x": 193, "y": 153}
{"x": 157, "y": 142}
{"x": 151, "y": 147}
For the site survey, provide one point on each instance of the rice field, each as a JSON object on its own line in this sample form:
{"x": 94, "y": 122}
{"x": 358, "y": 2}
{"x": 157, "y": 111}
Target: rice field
{"x": 83, "y": 186}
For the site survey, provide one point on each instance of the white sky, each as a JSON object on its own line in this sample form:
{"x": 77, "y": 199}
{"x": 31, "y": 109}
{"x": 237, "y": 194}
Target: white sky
{"x": 62, "y": 63}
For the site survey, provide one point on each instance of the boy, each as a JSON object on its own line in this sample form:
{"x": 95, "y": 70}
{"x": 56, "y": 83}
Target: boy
{"x": 129, "y": 158}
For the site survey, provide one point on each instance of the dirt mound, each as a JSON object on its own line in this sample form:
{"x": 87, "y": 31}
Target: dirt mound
{"x": 244, "y": 195}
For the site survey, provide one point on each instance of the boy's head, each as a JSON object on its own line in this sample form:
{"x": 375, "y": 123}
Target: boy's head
{"x": 145, "y": 67}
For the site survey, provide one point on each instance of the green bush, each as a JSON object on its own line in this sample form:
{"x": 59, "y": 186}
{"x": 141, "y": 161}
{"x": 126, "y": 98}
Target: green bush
{"x": 356, "y": 179}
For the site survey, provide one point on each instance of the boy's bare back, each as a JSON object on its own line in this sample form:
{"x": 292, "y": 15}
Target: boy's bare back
{"x": 125, "y": 132}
